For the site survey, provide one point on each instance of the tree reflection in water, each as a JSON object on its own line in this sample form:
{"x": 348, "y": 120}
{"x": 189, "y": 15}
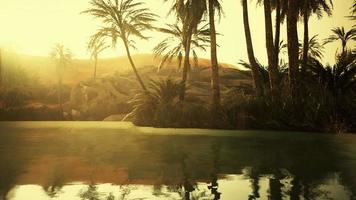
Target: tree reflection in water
{"x": 275, "y": 166}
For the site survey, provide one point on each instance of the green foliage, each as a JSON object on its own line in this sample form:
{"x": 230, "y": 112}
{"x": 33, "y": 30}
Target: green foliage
{"x": 325, "y": 101}
{"x": 160, "y": 106}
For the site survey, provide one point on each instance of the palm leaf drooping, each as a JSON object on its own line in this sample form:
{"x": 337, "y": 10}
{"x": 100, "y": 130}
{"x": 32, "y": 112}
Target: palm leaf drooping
{"x": 339, "y": 34}
{"x": 173, "y": 47}
{"x": 315, "y": 49}
{"x": 122, "y": 19}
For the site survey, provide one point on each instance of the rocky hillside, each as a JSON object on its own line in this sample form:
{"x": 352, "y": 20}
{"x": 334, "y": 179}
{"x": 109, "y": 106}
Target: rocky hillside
{"x": 86, "y": 99}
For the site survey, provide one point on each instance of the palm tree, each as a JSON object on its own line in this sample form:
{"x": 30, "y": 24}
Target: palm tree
{"x": 280, "y": 8}
{"x": 173, "y": 47}
{"x": 315, "y": 49}
{"x": 353, "y": 11}
{"x": 251, "y": 56}
{"x": 190, "y": 13}
{"x": 310, "y": 7}
{"x": 339, "y": 83}
{"x": 96, "y": 46}
{"x": 272, "y": 65}
{"x": 292, "y": 37}
{"x": 339, "y": 34}
{"x": 0, "y": 69}
{"x": 63, "y": 56}
{"x": 122, "y": 20}
{"x": 214, "y": 5}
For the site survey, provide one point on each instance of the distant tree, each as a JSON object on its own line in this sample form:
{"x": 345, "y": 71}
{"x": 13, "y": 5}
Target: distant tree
{"x": 339, "y": 34}
{"x": 62, "y": 56}
{"x": 173, "y": 47}
{"x": 122, "y": 19}
{"x": 96, "y": 46}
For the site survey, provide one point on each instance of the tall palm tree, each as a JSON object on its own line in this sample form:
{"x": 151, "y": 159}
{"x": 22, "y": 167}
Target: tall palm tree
{"x": 173, "y": 47}
{"x": 214, "y": 5}
{"x": 339, "y": 34}
{"x": 96, "y": 46}
{"x": 250, "y": 52}
{"x": 293, "y": 43}
{"x": 272, "y": 65}
{"x": 190, "y": 12}
{"x": 278, "y": 7}
{"x": 122, "y": 19}
{"x": 62, "y": 56}
{"x": 310, "y": 7}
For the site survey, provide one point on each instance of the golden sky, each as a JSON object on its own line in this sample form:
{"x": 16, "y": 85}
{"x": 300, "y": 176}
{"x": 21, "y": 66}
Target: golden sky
{"x": 34, "y": 26}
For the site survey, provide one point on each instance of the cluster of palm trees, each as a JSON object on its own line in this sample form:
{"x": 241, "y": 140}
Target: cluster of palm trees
{"x": 291, "y": 11}
{"x": 129, "y": 18}
{"x": 195, "y": 29}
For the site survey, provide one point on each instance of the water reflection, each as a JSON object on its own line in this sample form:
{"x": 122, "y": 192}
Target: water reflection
{"x": 97, "y": 164}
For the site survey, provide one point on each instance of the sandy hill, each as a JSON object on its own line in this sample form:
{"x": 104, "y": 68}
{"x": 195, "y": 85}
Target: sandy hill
{"x": 82, "y": 69}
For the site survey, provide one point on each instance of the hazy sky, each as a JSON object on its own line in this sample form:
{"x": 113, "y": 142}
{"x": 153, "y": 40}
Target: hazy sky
{"x": 34, "y": 26}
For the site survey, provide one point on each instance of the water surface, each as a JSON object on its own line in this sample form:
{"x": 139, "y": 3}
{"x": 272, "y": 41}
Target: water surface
{"x": 112, "y": 160}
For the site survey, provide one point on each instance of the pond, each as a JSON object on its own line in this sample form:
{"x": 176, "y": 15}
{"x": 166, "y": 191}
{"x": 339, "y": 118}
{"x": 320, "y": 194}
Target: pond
{"x": 115, "y": 160}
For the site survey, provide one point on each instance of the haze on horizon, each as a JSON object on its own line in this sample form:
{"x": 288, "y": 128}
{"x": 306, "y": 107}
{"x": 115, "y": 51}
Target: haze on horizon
{"x": 33, "y": 28}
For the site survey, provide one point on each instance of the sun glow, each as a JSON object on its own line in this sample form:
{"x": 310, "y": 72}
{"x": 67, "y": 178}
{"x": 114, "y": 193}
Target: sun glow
{"x": 33, "y": 28}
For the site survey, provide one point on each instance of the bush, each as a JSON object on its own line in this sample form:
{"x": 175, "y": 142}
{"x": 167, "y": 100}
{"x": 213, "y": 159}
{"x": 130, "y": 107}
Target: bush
{"x": 161, "y": 107}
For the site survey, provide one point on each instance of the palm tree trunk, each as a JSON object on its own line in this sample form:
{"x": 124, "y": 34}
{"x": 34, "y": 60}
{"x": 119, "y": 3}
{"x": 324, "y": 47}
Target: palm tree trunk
{"x": 0, "y": 69}
{"x": 277, "y": 34}
{"x": 95, "y": 65}
{"x": 186, "y": 64}
{"x": 214, "y": 60}
{"x": 134, "y": 67}
{"x": 306, "y": 35}
{"x": 292, "y": 35}
{"x": 60, "y": 103}
{"x": 251, "y": 55}
{"x": 272, "y": 68}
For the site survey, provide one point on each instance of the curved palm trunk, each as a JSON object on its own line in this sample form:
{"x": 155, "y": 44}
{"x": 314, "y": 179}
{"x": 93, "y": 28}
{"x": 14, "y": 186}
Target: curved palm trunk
{"x": 277, "y": 34}
{"x": 134, "y": 67}
{"x": 306, "y": 35}
{"x": 251, "y": 56}
{"x": 292, "y": 35}
{"x": 95, "y": 66}
{"x": 214, "y": 60}
{"x": 186, "y": 63}
{"x": 272, "y": 68}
